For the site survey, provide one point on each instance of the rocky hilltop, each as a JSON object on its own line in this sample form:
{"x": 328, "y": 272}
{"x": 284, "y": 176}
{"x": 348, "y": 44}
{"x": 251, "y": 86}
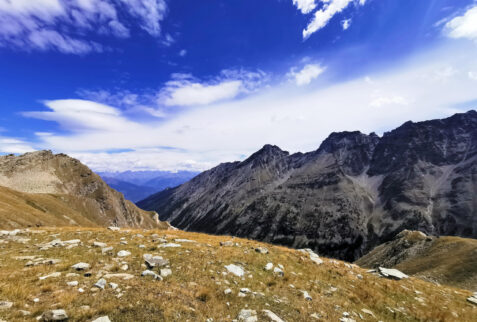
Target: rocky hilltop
{"x": 353, "y": 193}
{"x": 41, "y": 188}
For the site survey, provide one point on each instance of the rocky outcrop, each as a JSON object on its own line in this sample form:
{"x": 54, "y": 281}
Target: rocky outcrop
{"x": 353, "y": 193}
{"x": 62, "y": 191}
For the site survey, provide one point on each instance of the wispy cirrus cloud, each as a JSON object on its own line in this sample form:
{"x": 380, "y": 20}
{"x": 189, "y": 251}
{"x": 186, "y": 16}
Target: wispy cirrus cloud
{"x": 186, "y": 90}
{"x": 62, "y": 25}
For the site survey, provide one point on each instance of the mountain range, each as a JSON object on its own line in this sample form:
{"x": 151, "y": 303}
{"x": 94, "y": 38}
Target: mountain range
{"x": 353, "y": 193}
{"x": 138, "y": 185}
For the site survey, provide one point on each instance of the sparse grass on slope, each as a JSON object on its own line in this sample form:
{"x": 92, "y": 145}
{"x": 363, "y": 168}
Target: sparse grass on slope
{"x": 447, "y": 260}
{"x": 195, "y": 290}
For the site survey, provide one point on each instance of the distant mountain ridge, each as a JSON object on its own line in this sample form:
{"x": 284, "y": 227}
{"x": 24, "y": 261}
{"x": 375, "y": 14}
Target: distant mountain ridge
{"x": 351, "y": 194}
{"x": 44, "y": 189}
{"x": 139, "y": 185}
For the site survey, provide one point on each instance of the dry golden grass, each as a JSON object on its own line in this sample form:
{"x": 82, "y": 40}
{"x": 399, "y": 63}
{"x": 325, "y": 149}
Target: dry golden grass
{"x": 195, "y": 290}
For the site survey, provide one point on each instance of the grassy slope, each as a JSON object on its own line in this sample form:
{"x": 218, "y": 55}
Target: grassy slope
{"x": 18, "y": 209}
{"x": 195, "y": 291}
{"x": 446, "y": 260}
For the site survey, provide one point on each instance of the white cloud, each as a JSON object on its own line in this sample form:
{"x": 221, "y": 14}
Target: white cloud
{"x": 81, "y": 115}
{"x": 464, "y": 26}
{"x": 323, "y": 15}
{"x": 306, "y": 75}
{"x": 183, "y": 52}
{"x": 62, "y": 24}
{"x": 345, "y": 24}
{"x": 473, "y": 75}
{"x": 13, "y": 145}
{"x": 185, "y": 90}
{"x": 305, "y": 6}
{"x": 381, "y": 101}
{"x": 294, "y": 118}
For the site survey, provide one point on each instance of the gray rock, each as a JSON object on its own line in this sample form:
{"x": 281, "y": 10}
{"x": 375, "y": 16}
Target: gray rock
{"x": 101, "y": 284}
{"x": 236, "y": 270}
{"x": 272, "y": 316}
{"x": 99, "y": 244}
{"x": 261, "y": 250}
{"x": 106, "y": 250}
{"x": 165, "y": 272}
{"x": 169, "y": 245}
{"x": 123, "y": 253}
{"x": 228, "y": 243}
{"x": 4, "y": 305}
{"x": 247, "y": 316}
{"x": 151, "y": 273}
{"x": 54, "y": 315}
{"x": 278, "y": 271}
{"x": 102, "y": 319}
{"x": 306, "y": 296}
{"x": 72, "y": 283}
{"x": 112, "y": 228}
{"x": 228, "y": 291}
{"x": 472, "y": 299}
{"x": 269, "y": 267}
{"x": 57, "y": 274}
{"x": 155, "y": 261}
{"x": 391, "y": 273}
{"x": 81, "y": 266}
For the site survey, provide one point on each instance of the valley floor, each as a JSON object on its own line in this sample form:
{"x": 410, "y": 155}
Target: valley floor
{"x": 199, "y": 281}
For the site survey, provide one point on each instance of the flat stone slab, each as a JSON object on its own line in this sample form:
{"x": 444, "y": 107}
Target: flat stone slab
{"x": 392, "y": 273}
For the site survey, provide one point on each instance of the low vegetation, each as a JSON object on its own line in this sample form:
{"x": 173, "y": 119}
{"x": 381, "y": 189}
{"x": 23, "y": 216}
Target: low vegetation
{"x": 200, "y": 286}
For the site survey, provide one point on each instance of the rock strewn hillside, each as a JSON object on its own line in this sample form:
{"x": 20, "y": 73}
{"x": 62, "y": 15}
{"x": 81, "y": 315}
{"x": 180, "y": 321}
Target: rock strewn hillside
{"x": 41, "y": 188}
{"x": 446, "y": 260}
{"x": 353, "y": 193}
{"x": 147, "y": 275}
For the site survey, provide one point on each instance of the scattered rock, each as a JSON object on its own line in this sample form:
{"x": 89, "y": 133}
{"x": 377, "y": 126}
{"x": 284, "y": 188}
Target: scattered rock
{"x": 151, "y": 273}
{"x": 72, "y": 283}
{"x": 236, "y": 270}
{"x": 272, "y": 316}
{"x": 99, "y": 244}
{"x": 80, "y": 266}
{"x": 367, "y": 312}
{"x": 247, "y": 316}
{"x": 184, "y": 241}
{"x": 165, "y": 272}
{"x": 472, "y": 299}
{"x": 123, "y": 253}
{"x": 55, "y": 315}
{"x": 313, "y": 256}
{"x": 227, "y": 243}
{"x": 155, "y": 261}
{"x": 269, "y": 266}
{"x": 169, "y": 245}
{"x": 278, "y": 271}
{"x": 306, "y": 296}
{"x": 392, "y": 273}
{"x": 106, "y": 250}
{"x": 123, "y": 276}
{"x": 102, "y": 319}
{"x": 261, "y": 250}
{"x": 100, "y": 284}
{"x": 5, "y": 305}
{"x": 112, "y": 228}
{"x": 228, "y": 291}
{"x": 57, "y": 274}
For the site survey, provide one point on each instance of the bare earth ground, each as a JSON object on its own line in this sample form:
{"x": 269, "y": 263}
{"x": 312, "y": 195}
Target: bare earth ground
{"x": 195, "y": 290}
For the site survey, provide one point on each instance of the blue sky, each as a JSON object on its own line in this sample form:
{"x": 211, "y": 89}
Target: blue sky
{"x": 185, "y": 85}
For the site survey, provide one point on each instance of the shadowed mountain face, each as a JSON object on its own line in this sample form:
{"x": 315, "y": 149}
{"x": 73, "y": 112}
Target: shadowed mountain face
{"x": 41, "y": 188}
{"x": 353, "y": 193}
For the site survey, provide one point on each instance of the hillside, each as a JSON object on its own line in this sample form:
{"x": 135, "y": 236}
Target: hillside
{"x": 353, "y": 193}
{"x": 446, "y": 260}
{"x": 43, "y": 189}
{"x": 90, "y": 273}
